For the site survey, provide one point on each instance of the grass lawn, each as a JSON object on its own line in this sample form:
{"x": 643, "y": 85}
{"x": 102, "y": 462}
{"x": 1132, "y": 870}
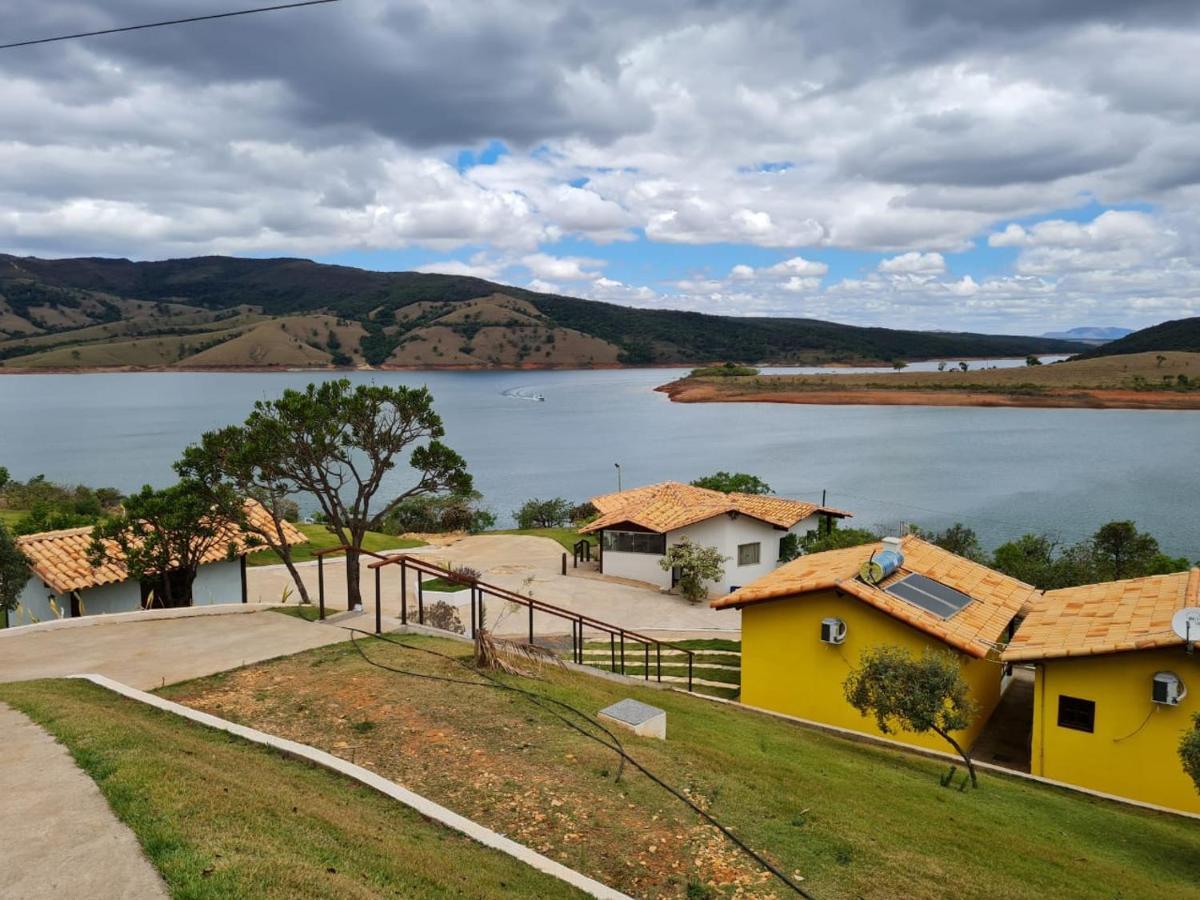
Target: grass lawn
{"x": 220, "y": 817}
{"x": 852, "y": 819}
{"x": 443, "y": 586}
{"x": 9, "y": 517}
{"x": 568, "y": 537}
{"x": 320, "y": 539}
{"x": 308, "y": 612}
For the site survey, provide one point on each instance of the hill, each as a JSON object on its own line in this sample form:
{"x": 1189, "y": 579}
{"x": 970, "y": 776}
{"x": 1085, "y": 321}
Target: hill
{"x": 1180, "y": 334}
{"x": 230, "y": 312}
{"x": 1089, "y": 334}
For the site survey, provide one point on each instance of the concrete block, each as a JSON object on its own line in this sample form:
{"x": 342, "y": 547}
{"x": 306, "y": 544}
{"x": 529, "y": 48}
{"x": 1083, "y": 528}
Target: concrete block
{"x": 640, "y": 718}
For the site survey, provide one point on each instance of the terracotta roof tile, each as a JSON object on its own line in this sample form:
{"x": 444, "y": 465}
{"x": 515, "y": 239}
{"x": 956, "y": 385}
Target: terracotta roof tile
{"x": 60, "y": 558}
{"x": 1134, "y": 614}
{"x": 975, "y": 629}
{"x": 671, "y": 505}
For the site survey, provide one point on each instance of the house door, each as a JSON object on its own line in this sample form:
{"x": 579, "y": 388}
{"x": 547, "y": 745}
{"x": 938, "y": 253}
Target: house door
{"x": 154, "y": 593}
{"x": 676, "y": 574}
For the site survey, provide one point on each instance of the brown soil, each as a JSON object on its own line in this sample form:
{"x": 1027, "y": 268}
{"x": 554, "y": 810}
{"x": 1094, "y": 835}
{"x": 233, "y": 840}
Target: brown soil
{"x": 515, "y": 769}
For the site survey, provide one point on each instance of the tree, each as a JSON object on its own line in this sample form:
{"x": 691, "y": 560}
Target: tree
{"x": 838, "y": 539}
{"x": 917, "y": 695}
{"x": 14, "y": 572}
{"x": 961, "y": 540}
{"x": 733, "y": 483}
{"x": 789, "y": 547}
{"x": 439, "y": 515}
{"x": 164, "y": 535}
{"x": 4, "y": 477}
{"x": 942, "y": 366}
{"x": 236, "y": 463}
{"x": 964, "y": 366}
{"x": 1189, "y": 750}
{"x": 1032, "y": 361}
{"x": 1119, "y": 551}
{"x": 696, "y": 566}
{"x": 899, "y": 364}
{"x": 338, "y": 443}
{"x": 535, "y": 513}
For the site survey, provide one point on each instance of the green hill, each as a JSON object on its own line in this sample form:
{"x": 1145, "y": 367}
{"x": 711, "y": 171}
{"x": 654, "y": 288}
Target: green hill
{"x": 230, "y": 312}
{"x": 1180, "y": 334}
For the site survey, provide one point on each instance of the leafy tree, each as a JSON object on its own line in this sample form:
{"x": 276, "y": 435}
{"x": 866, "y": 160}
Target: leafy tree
{"x": 1189, "y": 750}
{"x": 1039, "y": 560}
{"x": 838, "y": 538}
{"x": 1032, "y": 361}
{"x": 789, "y": 547}
{"x": 1119, "y": 551}
{"x": 439, "y": 515}
{"x": 236, "y": 463}
{"x": 535, "y": 513}
{"x": 959, "y": 539}
{"x": 4, "y": 477}
{"x": 582, "y": 513}
{"x": 942, "y": 366}
{"x": 161, "y": 532}
{"x": 964, "y": 366}
{"x": 696, "y": 564}
{"x": 14, "y": 572}
{"x": 733, "y": 483}
{"x": 338, "y": 442}
{"x": 899, "y": 364}
{"x": 917, "y": 695}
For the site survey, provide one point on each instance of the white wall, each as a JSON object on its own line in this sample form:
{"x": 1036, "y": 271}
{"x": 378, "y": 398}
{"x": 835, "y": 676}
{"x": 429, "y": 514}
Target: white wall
{"x": 724, "y": 533}
{"x": 219, "y": 582}
{"x": 125, "y": 596}
{"x": 34, "y": 605}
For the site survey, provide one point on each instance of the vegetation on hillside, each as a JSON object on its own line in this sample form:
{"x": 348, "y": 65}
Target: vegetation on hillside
{"x": 216, "y": 311}
{"x": 40, "y": 505}
{"x": 733, "y": 483}
{"x": 1179, "y": 334}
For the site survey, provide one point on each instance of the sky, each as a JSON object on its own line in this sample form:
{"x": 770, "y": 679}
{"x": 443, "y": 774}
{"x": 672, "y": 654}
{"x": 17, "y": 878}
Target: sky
{"x": 1009, "y": 167}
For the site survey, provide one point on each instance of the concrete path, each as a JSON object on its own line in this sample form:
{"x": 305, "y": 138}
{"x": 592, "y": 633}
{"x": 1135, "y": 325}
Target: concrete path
{"x": 60, "y": 837}
{"x": 526, "y": 565}
{"x": 149, "y": 653}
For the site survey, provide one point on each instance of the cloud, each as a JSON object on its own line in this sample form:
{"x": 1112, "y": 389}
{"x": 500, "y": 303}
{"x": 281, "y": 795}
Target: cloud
{"x": 914, "y": 263}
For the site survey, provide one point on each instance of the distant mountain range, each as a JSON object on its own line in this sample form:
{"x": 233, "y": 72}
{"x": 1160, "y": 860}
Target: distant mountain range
{"x": 1089, "y": 334}
{"x": 1180, "y": 334}
{"x": 227, "y": 312}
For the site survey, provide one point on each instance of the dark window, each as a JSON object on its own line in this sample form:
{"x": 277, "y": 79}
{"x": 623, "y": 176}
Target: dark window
{"x": 1077, "y": 714}
{"x": 749, "y": 554}
{"x": 635, "y": 542}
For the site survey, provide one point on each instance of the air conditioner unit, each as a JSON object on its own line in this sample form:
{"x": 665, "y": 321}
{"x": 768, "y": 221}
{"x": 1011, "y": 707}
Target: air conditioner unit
{"x": 833, "y": 631}
{"x": 1168, "y": 689}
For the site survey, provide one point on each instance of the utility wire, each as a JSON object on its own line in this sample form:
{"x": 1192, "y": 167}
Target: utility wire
{"x": 189, "y": 19}
{"x": 616, "y": 746}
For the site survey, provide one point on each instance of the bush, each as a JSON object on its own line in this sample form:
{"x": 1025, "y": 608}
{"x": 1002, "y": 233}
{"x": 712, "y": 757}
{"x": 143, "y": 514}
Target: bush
{"x": 696, "y": 564}
{"x": 440, "y": 614}
{"x": 582, "y": 513}
{"x": 439, "y": 515}
{"x": 733, "y": 483}
{"x": 729, "y": 370}
{"x": 535, "y": 513}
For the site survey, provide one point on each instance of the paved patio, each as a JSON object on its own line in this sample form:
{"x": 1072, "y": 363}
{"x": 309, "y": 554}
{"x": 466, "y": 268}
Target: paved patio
{"x": 1006, "y": 739}
{"x": 526, "y": 565}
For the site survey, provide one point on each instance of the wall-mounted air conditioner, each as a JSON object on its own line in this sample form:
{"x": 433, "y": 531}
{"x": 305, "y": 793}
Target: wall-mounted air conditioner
{"x": 1168, "y": 689}
{"x": 833, "y": 631}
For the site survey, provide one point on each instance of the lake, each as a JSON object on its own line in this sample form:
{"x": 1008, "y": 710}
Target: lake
{"x": 1004, "y": 472}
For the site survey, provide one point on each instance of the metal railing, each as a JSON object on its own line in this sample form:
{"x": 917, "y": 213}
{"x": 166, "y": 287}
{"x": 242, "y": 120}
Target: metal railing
{"x": 619, "y": 638}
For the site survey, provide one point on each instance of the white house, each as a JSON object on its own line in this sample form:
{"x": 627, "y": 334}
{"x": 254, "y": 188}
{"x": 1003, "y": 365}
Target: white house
{"x": 64, "y": 584}
{"x": 637, "y": 526}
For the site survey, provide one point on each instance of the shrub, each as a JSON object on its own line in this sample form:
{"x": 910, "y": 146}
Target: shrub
{"x": 696, "y": 564}
{"x": 440, "y": 614}
{"x": 535, "y": 513}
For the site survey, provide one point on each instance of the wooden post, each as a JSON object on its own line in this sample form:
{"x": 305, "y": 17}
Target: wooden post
{"x": 564, "y": 563}
{"x": 321, "y": 585}
{"x": 245, "y": 591}
{"x": 378, "y": 604}
{"x": 403, "y": 592}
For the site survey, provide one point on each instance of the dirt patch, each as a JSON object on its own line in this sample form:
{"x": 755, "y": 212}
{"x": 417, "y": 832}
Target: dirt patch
{"x": 515, "y": 769}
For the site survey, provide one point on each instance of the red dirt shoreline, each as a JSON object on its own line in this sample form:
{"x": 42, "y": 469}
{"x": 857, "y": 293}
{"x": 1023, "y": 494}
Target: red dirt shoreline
{"x": 684, "y": 391}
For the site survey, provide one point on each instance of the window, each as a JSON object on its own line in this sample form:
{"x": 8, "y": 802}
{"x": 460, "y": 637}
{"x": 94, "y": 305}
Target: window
{"x": 1077, "y": 714}
{"x": 635, "y": 542}
{"x": 749, "y": 554}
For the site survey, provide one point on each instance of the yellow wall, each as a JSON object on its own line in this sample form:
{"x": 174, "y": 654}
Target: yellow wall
{"x": 1144, "y": 766}
{"x": 786, "y": 668}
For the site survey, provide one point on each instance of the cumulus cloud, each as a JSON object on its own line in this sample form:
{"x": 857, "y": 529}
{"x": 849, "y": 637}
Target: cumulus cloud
{"x": 909, "y": 130}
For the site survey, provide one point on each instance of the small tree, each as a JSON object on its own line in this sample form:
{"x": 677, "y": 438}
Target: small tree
{"x": 696, "y": 564}
{"x": 1189, "y": 751}
{"x": 942, "y": 366}
{"x": 552, "y": 513}
{"x": 837, "y": 539}
{"x": 1119, "y": 551}
{"x": 899, "y": 364}
{"x": 960, "y": 540}
{"x": 1032, "y": 361}
{"x": 789, "y": 547}
{"x": 733, "y": 483}
{"x": 164, "y": 533}
{"x": 964, "y": 366}
{"x": 916, "y": 695}
{"x": 14, "y": 572}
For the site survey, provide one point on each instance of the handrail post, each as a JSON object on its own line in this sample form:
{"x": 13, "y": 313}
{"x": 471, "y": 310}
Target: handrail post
{"x": 580, "y": 660}
{"x": 403, "y": 591}
{"x": 531, "y": 624}
{"x": 378, "y": 604}
{"x": 622, "y": 651}
{"x": 474, "y": 627}
{"x": 646, "y": 664}
{"x": 612, "y": 650}
{"x": 691, "y": 655}
{"x": 420, "y": 599}
{"x": 321, "y": 585}
{"x": 658, "y": 654}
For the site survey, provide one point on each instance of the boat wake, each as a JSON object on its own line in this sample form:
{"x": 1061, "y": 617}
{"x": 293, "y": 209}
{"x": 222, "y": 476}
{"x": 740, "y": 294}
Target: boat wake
{"x": 523, "y": 394}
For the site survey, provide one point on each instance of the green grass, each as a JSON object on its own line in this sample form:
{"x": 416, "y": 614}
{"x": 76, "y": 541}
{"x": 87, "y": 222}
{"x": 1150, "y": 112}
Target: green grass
{"x": 220, "y": 817}
{"x": 443, "y": 586}
{"x": 9, "y": 517}
{"x": 320, "y": 539}
{"x": 568, "y": 537}
{"x": 851, "y": 818}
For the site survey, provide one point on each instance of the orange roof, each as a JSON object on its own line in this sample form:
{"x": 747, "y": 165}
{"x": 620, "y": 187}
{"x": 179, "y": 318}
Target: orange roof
{"x": 974, "y": 629}
{"x": 60, "y": 558}
{"x": 1134, "y": 614}
{"x": 670, "y": 505}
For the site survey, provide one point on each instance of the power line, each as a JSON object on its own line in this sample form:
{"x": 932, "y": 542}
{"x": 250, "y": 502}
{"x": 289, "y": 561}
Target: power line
{"x": 205, "y": 18}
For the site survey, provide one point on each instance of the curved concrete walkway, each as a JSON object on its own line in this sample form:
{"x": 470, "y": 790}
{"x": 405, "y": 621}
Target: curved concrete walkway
{"x": 60, "y": 837}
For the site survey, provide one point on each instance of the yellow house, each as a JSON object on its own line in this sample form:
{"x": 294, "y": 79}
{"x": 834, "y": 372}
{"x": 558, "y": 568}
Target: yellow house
{"x": 1115, "y": 688}
{"x": 805, "y": 625}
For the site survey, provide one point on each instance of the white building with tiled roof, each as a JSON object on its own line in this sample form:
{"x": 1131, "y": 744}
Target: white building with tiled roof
{"x": 636, "y": 527}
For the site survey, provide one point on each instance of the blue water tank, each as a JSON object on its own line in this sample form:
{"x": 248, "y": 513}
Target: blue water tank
{"x": 880, "y": 566}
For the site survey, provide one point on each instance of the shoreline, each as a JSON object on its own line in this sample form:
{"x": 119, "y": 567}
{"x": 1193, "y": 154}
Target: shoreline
{"x": 684, "y": 391}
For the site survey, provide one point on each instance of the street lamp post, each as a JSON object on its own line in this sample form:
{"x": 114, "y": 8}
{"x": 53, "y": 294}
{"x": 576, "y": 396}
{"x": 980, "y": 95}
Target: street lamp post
{"x": 618, "y": 466}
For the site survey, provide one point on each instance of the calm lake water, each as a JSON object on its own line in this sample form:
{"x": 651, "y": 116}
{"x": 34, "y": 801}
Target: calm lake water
{"x": 1002, "y": 471}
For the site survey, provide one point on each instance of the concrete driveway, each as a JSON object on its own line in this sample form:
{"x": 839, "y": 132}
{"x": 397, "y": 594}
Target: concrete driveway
{"x": 146, "y": 653}
{"x": 529, "y": 566}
